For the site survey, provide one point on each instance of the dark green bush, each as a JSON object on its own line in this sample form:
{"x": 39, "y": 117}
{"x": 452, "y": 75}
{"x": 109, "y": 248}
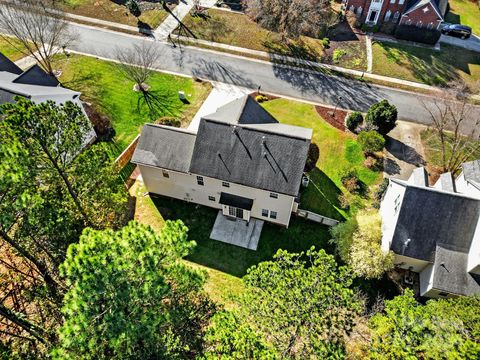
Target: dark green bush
{"x": 353, "y": 120}
{"x": 133, "y": 7}
{"x": 382, "y": 116}
{"x": 312, "y": 158}
{"x": 169, "y": 121}
{"x": 421, "y": 35}
{"x": 371, "y": 141}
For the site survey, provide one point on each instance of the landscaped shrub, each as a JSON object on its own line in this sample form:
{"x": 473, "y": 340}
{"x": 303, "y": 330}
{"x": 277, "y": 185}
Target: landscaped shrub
{"x": 312, "y": 157}
{"x": 353, "y": 120}
{"x": 383, "y": 116}
{"x": 378, "y": 194}
{"x": 350, "y": 180}
{"x": 371, "y": 141}
{"x": 374, "y": 163}
{"x": 338, "y": 54}
{"x": 261, "y": 98}
{"x": 169, "y": 121}
{"x": 413, "y": 33}
{"x": 133, "y": 7}
{"x": 326, "y": 42}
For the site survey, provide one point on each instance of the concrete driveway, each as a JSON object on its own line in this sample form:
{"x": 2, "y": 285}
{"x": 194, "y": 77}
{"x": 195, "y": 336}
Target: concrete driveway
{"x": 404, "y": 150}
{"x": 472, "y": 43}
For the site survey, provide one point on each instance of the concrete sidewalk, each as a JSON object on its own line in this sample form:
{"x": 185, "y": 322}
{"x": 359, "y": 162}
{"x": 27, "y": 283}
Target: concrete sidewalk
{"x": 220, "y": 95}
{"x": 290, "y": 60}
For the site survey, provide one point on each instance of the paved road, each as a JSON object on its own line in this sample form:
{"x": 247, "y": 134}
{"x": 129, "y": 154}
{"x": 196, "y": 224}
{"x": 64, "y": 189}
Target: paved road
{"x": 278, "y": 79}
{"x": 472, "y": 43}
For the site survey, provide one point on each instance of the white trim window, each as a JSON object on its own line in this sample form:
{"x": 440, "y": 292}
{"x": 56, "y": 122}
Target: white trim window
{"x": 396, "y": 15}
{"x": 392, "y": 1}
{"x": 264, "y": 212}
{"x": 388, "y": 14}
{"x": 419, "y": 24}
{"x": 430, "y": 26}
{"x": 401, "y": 2}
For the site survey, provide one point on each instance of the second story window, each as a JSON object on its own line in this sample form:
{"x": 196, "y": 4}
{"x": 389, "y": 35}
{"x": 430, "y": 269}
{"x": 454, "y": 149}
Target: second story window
{"x": 225, "y": 184}
{"x": 211, "y": 198}
{"x": 200, "y": 180}
{"x": 165, "y": 174}
{"x": 274, "y": 195}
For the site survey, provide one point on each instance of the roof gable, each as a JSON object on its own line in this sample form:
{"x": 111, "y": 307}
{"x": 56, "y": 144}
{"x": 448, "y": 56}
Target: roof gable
{"x": 35, "y": 75}
{"x": 9, "y": 66}
{"x": 418, "y": 4}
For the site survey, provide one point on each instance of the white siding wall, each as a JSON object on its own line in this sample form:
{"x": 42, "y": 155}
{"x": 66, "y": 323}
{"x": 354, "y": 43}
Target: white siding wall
{"x": 426, "y": 279}
{"x": 405, "y": 262}
{"x": 465, "y": 188}
{"x": 392, "y": 200}
{"x": 473, "y": 265}
{"x": 184, "y": 186}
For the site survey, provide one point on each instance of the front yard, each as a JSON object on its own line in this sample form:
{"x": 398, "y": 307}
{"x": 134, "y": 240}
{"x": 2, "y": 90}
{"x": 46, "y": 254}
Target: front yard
{"x": 10, "y": 51}
{"x": 238, "y": 30}
{"x": 115, "y": 11}
{"x": 113, "y": 96}
{"x": 465, "y": 12}
{"x": 338, "y": 151}
{"x": 425, "y": 65}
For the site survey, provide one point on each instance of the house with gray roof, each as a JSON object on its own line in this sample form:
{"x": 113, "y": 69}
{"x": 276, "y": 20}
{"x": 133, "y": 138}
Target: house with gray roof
{"x": 35, "y": 84}
{"x": 434, "y": 231}
{"x": 241, "y": 160}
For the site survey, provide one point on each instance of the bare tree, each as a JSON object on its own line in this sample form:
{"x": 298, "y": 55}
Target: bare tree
{"x": 293, "y": 18}
{"x": 40, "y": 30}
{"x": 456, "y": 124}
{"x": 136, "y": 64}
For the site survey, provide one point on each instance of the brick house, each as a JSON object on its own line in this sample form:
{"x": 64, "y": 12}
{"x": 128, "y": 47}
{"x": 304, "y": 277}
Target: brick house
{"x": 421, "y": 13}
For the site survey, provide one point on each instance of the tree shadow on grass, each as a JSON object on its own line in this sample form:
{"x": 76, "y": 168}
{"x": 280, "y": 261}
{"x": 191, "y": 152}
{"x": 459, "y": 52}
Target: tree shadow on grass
{"x": 234, "y": 260}
{"x": 321, "y": 196}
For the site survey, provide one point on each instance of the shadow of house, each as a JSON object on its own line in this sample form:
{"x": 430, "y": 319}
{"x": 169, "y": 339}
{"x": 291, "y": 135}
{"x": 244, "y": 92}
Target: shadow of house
{"x": 404, "y": 152}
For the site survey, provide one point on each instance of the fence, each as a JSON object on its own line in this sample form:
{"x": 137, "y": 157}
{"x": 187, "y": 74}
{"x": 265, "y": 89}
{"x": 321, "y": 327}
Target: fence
{"x": 125, "y": 157}
{"x": 309, "y": 215}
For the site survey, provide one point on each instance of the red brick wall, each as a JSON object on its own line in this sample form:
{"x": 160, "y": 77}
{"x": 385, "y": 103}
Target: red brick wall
{"x": 431, "y": 16}
{"x": 365, "y": 4}
{"x": 393, "y": 8}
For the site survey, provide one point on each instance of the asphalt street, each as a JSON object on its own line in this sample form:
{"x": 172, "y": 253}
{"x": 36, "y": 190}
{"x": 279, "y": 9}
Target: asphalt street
{"x": 273, "y": 78}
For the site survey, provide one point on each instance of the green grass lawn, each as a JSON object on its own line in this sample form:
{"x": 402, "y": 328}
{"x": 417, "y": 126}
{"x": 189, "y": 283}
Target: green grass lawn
{"x": 338, "y": 151}
{"x": 238, "y": 30}
{"x": 114, "y": 11}
{"x": 464, "y": 12}
{"x": 113, "y": 96}
{"x": 426, "y": 65}
{"x": 9, "y": 50}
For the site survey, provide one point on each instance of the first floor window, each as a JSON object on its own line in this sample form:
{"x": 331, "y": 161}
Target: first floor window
{"x": 273, "y": 214}
{"x": 419, "y": 24}
{"x": 211, "y": 198}
{"x": 396, "y": 16}
{"x": 387, "y": 15}
{"x": 200, "y": 180}
{"x": 165, "y": 174}
{"x": 265, "y": 212}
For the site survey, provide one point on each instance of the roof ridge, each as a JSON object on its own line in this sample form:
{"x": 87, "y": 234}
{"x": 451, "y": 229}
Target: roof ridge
{"x": 431, "y": 188}
{"x": 172, "y": 128}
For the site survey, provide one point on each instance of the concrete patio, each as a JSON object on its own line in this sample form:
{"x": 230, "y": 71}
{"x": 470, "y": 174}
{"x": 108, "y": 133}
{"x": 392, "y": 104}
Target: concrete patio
{"x": 237, "y": 232}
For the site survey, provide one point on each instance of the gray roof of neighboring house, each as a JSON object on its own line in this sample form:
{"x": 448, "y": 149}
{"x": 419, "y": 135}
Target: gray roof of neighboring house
{"x": 429, "y": 217}
{"x": 450, "y": 272}
{"x": 166, "y": 147}
{"x": 9, "y": 66}
{"x": 471, "y": 171}
{"x": 251, "y": 157}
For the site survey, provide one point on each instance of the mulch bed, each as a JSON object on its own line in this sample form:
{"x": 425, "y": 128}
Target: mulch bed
{"x": 337, "y": 119}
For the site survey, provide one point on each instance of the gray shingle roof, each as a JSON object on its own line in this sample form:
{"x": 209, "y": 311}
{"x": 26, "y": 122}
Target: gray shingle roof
{"x": 251, "y": 157}
{"x": 35, "y": 75}
{"x": 236, "y": 201}
{"x": 429, "y": 217}
{"x": 165, "y": 147}
{"x": 9, "y": 66}
{"x": 450, "y": 273}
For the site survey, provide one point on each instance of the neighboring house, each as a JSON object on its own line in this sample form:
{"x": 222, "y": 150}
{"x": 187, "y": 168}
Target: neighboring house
{"x": 435, "y": 230}
{"x": 241, "y": 160}
{"x": 421, "y": 13}
{"x": 36, "y": 85}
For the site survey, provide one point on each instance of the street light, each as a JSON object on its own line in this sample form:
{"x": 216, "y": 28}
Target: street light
{"x": 332, "y": 113}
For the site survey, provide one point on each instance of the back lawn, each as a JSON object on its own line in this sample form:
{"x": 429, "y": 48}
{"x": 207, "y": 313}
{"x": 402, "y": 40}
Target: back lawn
{"x": 115, "y": 11}
{"x": 238, "y": 30}
{"x": 426, "y": 65}
{"x": 10, "y": 51}
{"x": 465, "y": 12}
{"x": 338, "y": 151}
{"x": 113, "y": 96}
